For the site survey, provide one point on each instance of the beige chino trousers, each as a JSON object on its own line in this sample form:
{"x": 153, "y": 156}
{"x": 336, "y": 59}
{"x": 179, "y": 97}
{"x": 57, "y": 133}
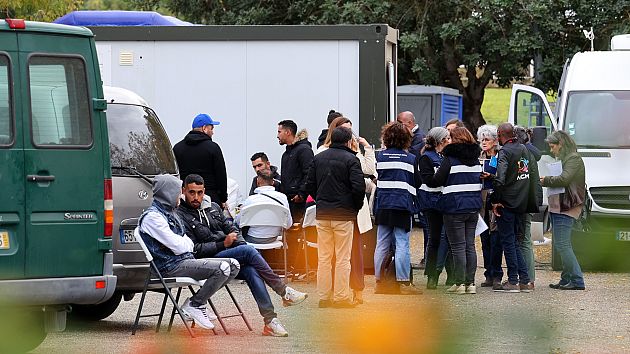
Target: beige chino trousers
{"x": 334, "y": 238}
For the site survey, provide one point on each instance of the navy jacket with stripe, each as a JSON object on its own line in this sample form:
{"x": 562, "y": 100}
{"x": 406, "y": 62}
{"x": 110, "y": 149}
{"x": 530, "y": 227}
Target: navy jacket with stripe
{"x": 396, "y": 185}
{"x": 459, "y": 174}
{"x": 429, "y": 193}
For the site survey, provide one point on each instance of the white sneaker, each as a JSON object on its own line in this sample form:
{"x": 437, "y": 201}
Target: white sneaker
{"x": 211, "y": 316}
{"x": 471, "y": 289}
{"x": 293, "y": 297}
{"x": 198, "y": 314}
{"x": 275, "y": 329}
{"x": 457, "y": 289}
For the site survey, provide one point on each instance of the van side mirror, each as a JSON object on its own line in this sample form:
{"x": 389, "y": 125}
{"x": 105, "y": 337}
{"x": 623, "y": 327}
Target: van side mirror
{"x": 539, "y": 134}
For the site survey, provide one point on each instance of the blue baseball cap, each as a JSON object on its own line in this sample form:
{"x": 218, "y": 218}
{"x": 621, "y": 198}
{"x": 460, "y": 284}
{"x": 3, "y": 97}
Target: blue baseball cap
{"x": 202, "y": 120}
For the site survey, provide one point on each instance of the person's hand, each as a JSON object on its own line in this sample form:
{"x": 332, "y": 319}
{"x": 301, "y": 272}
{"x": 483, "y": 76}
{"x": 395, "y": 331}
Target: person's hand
{"x": 297, "y": 199}
{"x": 229, "y": 239}
{"x": 363, "y": 142}
{"x": 496, "y": 209}
{"x": 486, "y": 175}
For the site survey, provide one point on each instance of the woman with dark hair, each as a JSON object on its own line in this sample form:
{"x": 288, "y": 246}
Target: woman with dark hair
{"x": 437, "y": 139}
{"x": 460, "y": 203}
{"x": 394, "y": 205}
{"x": 566, "y": 207}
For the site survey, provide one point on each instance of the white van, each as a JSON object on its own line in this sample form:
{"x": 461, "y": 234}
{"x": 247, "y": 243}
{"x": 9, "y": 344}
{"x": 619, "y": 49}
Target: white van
{"x": 593, "y": 107}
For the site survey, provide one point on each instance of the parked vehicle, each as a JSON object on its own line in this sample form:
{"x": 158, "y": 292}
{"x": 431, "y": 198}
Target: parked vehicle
{"x": 139, "y": 150}
{"x": 592, "y": 106}
{"x": 56, "y": 202}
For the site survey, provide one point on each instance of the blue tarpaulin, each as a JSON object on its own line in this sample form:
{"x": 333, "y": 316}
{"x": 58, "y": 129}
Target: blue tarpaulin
{"x": 119, "y": 18}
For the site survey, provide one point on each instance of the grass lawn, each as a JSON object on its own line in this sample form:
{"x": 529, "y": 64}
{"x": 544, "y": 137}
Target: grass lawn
{"x": 496, "y": 104}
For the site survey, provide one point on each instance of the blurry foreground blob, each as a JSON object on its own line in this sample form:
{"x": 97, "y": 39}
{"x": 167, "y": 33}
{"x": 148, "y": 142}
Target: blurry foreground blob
{"x": 386, "y": 328}
{"x": 176, "y": 342}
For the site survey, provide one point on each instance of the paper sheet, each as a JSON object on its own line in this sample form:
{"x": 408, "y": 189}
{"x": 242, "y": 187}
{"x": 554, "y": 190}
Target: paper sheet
{"x": 481, "y": 226}
{"x": 555, "y": 169}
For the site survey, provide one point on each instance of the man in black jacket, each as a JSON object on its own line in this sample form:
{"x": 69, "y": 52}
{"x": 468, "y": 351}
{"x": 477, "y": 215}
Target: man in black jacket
{"x": 260, "y": 162}
{"x": 510, "y": 203}
{"x": 336, "y": 182}
{"x": 216, "y": 237}
{"x": 198, "y": 154}
{"x": 296, "y": 160}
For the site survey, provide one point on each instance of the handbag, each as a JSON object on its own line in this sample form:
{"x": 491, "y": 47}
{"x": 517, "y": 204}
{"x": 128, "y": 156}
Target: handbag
{"x": 572, "y": 197}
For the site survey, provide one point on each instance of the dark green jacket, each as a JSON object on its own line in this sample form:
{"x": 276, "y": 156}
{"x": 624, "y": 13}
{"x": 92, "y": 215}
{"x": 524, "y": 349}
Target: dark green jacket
{"x": 573, "y": 178}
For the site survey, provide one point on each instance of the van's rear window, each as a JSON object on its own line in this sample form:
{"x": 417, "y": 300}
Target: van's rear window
{"x": 6, "y": 126}
{"x": 138, "y": 141}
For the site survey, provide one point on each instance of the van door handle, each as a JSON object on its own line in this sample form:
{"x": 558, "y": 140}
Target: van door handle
{"x": 38, "y": 178}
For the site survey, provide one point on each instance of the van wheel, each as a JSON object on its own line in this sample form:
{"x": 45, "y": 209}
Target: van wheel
{"x": 96, "y": 312}
{"x": 21, "y": 330}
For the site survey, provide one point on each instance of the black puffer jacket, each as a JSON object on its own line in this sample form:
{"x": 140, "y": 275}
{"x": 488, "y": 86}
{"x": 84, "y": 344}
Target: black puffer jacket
{"x": 198, "y": 154}
{"x": 336, "y": 182}
{"x": 296, "y": 160}
{"x": 322, "y": 137}
{"x": 207, "y": 228}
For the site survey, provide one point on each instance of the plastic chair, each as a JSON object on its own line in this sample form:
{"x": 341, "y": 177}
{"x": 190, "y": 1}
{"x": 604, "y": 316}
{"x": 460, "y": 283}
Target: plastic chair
{"x": 308, "y": 222}
{"x": 268, "y": 215}
{"x": 161, "y": 285}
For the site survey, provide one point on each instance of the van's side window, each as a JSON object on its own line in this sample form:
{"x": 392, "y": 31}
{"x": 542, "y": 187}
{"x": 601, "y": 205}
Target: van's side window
{"x": 6, "y": 123}
{"x": 60, "y": 109}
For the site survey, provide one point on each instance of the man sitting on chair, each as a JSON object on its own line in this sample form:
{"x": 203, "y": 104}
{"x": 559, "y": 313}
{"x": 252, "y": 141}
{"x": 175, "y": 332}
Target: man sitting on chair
{"x": 163, "y": 233}
{"x": 214, "y": 236}
{"x": 265, "y": 193}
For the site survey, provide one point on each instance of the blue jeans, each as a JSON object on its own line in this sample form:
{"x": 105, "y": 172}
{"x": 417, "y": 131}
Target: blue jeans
{"x": 385, "y": 237}
{"x": 507, "y": 225}
{"x": 256, "y": 272}
{"x": 571, "y": 272}
{"x": 460, "y": 232}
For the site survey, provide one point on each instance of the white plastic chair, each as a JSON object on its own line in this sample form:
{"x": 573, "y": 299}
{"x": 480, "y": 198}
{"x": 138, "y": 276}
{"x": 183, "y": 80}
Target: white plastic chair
{"x": 268, "y": 214}
{"x": 309, "y": 221}
{"x": 162, "y": 285}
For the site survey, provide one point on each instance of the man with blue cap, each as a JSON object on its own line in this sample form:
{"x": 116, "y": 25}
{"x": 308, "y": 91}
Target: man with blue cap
{"x": 198, "y": 154}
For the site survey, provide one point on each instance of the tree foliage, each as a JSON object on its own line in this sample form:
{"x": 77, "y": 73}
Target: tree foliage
{"x": 38, "y": 10}
{"x": 462, "y": 44}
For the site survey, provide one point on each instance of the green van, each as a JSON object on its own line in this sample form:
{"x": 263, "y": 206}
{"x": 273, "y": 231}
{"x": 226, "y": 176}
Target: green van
{"x": 56, "y": 213}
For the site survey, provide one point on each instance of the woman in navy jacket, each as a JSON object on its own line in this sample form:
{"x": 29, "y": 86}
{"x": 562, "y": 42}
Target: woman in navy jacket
{"x": 437, "y": 139}
{"x": 460, "y": 203}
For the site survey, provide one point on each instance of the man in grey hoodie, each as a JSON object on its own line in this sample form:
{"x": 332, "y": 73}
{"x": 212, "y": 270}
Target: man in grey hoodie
{"x": 164, "y": 235}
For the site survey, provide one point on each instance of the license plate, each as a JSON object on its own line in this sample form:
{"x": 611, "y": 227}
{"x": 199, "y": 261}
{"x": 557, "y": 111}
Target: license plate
{"x": 623, "y": 235}
{"x": 127, "y": 236}
{"x": 4, "y": 240}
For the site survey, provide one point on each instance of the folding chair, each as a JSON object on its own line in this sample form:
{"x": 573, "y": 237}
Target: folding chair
{"x": 268, "y": 215}
{"x": 308, "y": 224}
{"x": 161, "y": 285}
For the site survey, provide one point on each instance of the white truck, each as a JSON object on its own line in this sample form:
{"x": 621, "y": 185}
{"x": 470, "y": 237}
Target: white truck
{"x": 593, "y": 106}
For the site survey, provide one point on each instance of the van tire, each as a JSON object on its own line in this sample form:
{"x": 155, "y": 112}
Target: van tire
{"x": 21, "y": 330}
{"x": 96, "y": 312}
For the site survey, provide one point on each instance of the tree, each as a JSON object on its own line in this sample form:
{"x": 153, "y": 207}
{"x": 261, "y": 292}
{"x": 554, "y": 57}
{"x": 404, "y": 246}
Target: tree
{"x": 462, "y": 44}
{"x": 39, "y": 10}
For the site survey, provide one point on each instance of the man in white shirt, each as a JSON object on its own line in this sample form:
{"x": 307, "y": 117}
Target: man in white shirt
{"x": 265, "y": 193}
{"x": 164, "y": 235}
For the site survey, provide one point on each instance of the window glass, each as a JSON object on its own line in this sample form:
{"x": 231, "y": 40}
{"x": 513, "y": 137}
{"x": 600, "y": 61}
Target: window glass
{"x": 599, "y": 119}
{"x": 531, "y": 111}
{"x": 60, "y": 110}
{"x": 137, "y": 141}
{"x": 6, "y": 123}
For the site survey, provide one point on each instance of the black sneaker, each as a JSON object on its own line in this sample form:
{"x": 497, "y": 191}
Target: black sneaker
{"x": 432, "y": 282}
{"x": 571, "y": 286}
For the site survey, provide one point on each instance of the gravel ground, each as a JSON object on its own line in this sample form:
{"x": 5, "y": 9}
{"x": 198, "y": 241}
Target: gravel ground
{"x": 546, "y": 321}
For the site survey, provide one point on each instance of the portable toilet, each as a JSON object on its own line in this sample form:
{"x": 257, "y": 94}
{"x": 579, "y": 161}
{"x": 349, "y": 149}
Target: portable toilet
{"x": 431, "y": 105}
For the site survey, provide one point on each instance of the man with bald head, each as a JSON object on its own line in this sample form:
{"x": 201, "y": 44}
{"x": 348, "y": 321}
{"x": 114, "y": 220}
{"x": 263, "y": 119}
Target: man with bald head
{"x": 407, "y": 119}
{"x": 509, "y": 204}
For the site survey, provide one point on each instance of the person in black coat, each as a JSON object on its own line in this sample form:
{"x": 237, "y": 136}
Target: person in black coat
{"x": 336, "y": 181}
{"x": 417, "y": 134}
{"x": 296, "y": 161}
{"x": 332, "y": 114}
{"x": 198, "y": 154}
